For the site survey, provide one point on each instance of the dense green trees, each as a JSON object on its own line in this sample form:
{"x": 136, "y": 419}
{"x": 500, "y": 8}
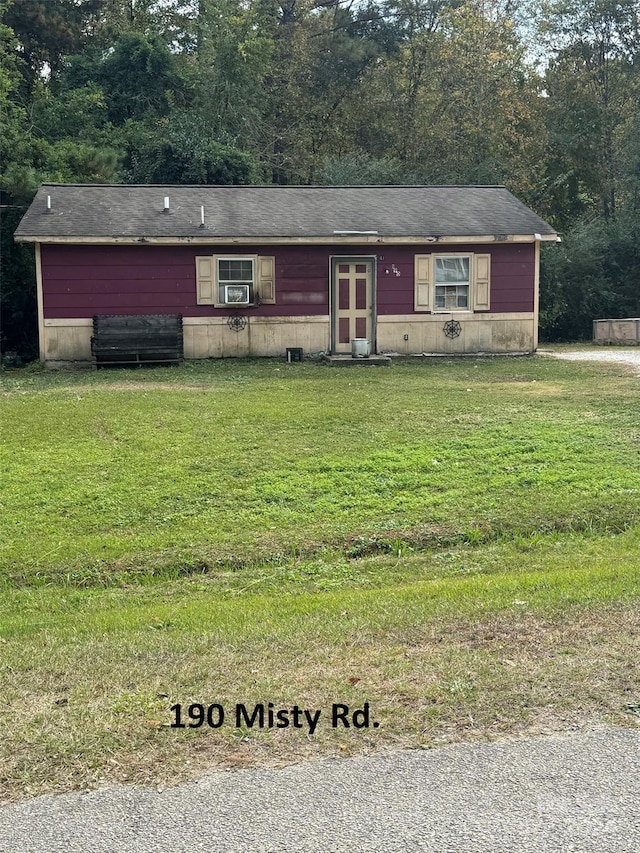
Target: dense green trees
{"x": 591, "y": 180}
{"x": 541, "y": 97}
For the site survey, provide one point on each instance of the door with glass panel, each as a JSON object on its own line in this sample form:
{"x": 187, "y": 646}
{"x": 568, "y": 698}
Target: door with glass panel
{"x": 352, "y": 302}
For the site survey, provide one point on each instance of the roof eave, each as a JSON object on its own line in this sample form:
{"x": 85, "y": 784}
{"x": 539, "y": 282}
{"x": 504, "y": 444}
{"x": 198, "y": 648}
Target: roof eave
{"x": 333, "y": 239}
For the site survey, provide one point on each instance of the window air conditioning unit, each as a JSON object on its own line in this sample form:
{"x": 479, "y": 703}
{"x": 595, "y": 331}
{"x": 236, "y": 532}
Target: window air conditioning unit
{"x": 237, "y": 294}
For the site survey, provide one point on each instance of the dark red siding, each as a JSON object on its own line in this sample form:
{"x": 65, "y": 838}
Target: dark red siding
{"x": 395, "y": 278}
{"x": 79, "y": 281}
{"x": 512, "y": 275}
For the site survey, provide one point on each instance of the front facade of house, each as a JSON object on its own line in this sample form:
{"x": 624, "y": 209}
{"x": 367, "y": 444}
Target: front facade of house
{"x": 255, "y": 270}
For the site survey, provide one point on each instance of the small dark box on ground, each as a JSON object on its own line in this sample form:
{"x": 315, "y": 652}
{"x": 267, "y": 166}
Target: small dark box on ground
{"x": 294, "y": 353}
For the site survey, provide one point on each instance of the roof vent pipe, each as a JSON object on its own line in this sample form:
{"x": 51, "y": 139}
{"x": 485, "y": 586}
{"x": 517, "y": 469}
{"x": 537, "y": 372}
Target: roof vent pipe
{"x": 48, "y": 204}
{"x": 202, "y": 216}
{"x": 166, "y": 204}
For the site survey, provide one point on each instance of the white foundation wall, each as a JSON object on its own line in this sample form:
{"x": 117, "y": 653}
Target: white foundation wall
{"x": 479, "y": 333}
{"x": 211, "y": 337}
{"x": 66, "y": 340}
{"x": 69, "y": 340}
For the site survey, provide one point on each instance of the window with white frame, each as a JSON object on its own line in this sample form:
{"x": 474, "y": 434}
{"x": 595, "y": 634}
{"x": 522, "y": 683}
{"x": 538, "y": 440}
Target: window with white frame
{"x": 452, "y": 282}
{"x": 236, "y": 281}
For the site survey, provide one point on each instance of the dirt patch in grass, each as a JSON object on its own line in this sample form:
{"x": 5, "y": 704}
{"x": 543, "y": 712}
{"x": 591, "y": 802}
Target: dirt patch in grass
{"x": 548, "y": 673}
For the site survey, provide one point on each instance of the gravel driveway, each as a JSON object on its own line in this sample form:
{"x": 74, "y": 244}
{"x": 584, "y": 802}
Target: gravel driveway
{"x": 624, "y": 356}
{"x": 577, "y": 792}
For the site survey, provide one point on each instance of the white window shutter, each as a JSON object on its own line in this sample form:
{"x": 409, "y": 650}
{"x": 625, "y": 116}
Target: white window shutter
{"x": 205, "y": 280}
{"x": 422, "y": 288}
{"x": 267, "y": 279}
{"x": 482, "y": 283}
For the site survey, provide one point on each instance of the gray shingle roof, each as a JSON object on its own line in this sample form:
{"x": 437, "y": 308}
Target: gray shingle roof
{"x": 124, "y": 211}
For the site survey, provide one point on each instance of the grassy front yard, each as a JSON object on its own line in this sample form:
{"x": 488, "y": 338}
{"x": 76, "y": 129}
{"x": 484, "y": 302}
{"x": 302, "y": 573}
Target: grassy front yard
{"x": 454, "y": 542}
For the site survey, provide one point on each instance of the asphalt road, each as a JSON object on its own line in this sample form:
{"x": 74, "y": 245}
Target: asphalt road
{"x": 578, "y": 792}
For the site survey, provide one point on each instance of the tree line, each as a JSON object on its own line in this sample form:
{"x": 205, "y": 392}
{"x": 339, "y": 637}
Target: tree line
{"x": 541, "y": 97}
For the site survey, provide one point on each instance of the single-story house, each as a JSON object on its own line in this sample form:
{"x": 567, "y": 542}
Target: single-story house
{"x": 254, "y": 270}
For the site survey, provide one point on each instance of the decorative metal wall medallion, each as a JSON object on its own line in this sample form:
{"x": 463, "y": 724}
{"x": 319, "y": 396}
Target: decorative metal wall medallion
{"x": 236, "y": 322}
{"x": 452, "y": 329}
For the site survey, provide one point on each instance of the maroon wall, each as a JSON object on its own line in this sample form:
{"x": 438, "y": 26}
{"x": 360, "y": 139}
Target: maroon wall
{"x": 79, "y": 281}
{"x": 512, "y": 275}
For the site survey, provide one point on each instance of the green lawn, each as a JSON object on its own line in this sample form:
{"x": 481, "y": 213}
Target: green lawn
{"x": 166, "y": 470}
{"x": 453, "y": 541}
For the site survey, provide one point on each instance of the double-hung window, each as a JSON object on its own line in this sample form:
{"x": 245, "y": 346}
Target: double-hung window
{"x": 452, "y": 283}
{"x": 236, "y": 281}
